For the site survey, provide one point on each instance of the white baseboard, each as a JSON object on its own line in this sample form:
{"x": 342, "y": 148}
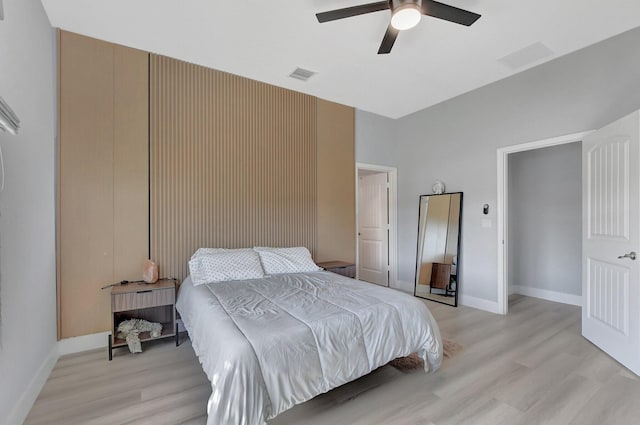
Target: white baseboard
{"x": 83, "y": 343}
{"x": 479, "y": 303}
{"x": 466, "y": 300}
{"x": 25, "y": 403}
{"x": 559, "y": 297}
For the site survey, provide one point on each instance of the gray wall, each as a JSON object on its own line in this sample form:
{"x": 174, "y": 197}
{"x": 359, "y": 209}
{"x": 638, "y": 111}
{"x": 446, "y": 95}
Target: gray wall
{"x": 376, "y": 139}
{"x": 456, "y": 141}
{"x": 545, "y": 218}
{"x": 27, "y": 213}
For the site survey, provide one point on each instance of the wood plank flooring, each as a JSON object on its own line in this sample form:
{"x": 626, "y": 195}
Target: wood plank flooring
{"x": 530, "y": 367}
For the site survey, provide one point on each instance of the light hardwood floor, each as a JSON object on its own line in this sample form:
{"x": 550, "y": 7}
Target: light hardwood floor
{"x": 530, "y": 367}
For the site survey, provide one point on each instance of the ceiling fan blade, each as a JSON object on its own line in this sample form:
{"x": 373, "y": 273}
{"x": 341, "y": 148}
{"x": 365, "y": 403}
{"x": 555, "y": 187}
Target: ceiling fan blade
{"x": 348, "y": 12}
{"x": 448, "y": 13}
{"x": 388, "y": 40}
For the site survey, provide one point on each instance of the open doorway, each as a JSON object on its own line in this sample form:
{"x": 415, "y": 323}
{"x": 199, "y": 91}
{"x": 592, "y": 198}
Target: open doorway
{"x": 545, "y": 223}
{"x": 375, "y": 224}
{"x": 539, "y": 220}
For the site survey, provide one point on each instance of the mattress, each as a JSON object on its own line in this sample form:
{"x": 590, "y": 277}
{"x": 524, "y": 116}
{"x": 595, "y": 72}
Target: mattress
{"x": 268, "y": 344}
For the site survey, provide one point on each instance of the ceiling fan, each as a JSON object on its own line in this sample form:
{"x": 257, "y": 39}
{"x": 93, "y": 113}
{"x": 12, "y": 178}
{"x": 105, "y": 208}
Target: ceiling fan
{"x": 405, "y": 14}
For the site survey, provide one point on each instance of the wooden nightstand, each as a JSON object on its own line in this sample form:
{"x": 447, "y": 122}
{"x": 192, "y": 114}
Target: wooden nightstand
{"x": 339, "y": 267}
{"x": 154, "y": 302}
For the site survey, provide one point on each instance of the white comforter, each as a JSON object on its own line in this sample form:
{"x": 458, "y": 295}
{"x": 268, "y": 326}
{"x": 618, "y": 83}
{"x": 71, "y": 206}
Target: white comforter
{"x": 268, "y": 344}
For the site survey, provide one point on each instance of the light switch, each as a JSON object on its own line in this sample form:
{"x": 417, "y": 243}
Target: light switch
{"x": 486, "y": 222}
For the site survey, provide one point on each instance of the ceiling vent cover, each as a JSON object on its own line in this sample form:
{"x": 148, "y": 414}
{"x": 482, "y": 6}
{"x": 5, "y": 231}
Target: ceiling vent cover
{"x": 302, "y": 74}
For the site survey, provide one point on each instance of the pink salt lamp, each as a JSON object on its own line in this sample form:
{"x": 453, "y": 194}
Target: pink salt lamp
{"x": 150, "y": 272}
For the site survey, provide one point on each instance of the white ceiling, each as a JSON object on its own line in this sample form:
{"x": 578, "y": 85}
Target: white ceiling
{"x": 267, "y": 39}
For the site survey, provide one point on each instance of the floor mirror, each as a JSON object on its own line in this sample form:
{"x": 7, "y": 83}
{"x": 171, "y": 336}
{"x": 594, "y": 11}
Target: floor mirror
{"x": 438, "y": 258}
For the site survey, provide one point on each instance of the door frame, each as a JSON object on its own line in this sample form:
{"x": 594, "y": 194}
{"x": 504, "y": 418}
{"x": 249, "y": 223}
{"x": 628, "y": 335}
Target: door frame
{"x": 502, "y": 210}
{"x": 392, "y": 173}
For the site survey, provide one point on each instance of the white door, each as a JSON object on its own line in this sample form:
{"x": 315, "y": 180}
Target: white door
{"x": 610, "y": 237}
{"x": 373, "y": 229}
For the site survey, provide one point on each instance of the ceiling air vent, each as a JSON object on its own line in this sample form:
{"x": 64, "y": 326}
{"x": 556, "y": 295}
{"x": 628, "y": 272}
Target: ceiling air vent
{"x": 301, "y": 74}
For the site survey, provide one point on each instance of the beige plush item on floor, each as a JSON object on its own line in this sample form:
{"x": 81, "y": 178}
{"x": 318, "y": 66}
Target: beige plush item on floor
{"x": 413, "y": 361}
{"x": 451, "y": 348}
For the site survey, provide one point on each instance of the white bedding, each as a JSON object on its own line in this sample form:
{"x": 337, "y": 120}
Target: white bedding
{"x": 268, "y": 344}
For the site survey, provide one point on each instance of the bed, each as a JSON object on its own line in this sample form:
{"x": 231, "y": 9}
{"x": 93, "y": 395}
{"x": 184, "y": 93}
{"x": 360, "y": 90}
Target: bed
{"x": 268, "y": 344}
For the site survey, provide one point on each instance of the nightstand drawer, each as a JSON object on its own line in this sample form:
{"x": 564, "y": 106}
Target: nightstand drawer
{"x": 142, "y": 299}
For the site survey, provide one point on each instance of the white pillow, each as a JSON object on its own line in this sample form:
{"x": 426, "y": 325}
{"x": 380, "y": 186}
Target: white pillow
{"x": 286, "y": 260}
{"x": 225, "y": 266}
{"x": 208, "y": 251}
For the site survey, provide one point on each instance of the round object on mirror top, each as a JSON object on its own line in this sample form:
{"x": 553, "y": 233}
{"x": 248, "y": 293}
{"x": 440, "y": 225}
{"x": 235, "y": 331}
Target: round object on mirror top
{"x": 438, "y": 187}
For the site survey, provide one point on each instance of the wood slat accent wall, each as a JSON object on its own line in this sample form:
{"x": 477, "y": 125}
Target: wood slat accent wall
{"x": 336, "y": 182}
{"x": 102, "y": 176}
{"x": 233, "y": 164}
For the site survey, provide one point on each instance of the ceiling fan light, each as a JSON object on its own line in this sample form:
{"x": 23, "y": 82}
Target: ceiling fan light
{"x": 406, "y": 17}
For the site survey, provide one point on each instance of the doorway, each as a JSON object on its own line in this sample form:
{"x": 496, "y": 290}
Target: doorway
{"x": 376, "y": 224}
{"x": 545, "y": 223}
{"x": 504, "y": 219}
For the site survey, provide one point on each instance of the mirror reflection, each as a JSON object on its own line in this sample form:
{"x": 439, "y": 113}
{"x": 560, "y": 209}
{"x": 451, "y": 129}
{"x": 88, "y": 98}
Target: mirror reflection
{"x": 438, "y": 259}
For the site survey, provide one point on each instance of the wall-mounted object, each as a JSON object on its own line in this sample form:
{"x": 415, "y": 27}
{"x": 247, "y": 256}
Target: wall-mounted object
{"x": 485, "y": 209}
{"x": 438, "y": 187}
{"x": 1, "y": 11}
{"x": 9, "y": 121}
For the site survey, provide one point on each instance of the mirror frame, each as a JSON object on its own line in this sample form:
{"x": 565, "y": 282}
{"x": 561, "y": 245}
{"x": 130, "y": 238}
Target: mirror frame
{"x": 415, "y": 279}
